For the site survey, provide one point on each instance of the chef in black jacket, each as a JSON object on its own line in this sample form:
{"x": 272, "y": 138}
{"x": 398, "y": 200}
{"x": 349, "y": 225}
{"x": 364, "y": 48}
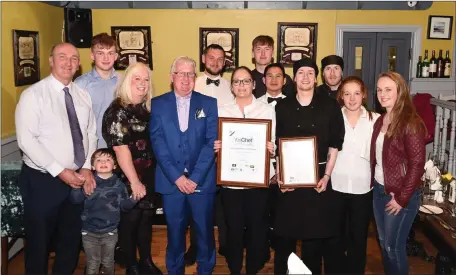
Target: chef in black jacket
{"x": 308, "y": 214}
{"x": 332, "y": 67}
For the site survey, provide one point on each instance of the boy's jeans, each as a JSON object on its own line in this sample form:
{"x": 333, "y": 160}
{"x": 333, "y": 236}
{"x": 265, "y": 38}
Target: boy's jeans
{"x": 99, "y": 249}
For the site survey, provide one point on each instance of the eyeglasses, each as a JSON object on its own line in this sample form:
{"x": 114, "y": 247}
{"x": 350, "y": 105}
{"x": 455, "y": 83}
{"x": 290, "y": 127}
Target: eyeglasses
{"x": 238, "y": 82}
{"x": 184, "y": 74}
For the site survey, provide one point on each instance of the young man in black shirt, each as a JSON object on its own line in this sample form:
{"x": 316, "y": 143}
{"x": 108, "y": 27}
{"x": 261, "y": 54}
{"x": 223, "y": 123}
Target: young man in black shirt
{"x": 332, "y": 67}
{"x": 262, "y": 51}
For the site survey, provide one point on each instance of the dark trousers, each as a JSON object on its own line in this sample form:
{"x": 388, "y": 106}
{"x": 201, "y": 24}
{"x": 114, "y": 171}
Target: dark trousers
{"x": 136, "y": 232}
{"x": 49, "y": 214}
{"x": 246, "y": 212}
{"x": 312, "y": 252}
{"x": 99, "y": 250}
{"x": 357, "y": 211}
{"x": 219, "y": 221}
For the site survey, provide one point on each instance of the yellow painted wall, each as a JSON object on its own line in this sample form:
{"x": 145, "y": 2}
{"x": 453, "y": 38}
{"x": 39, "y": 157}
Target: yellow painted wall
{"x": 176, "y": 32}
{"x": 31, "y": 16}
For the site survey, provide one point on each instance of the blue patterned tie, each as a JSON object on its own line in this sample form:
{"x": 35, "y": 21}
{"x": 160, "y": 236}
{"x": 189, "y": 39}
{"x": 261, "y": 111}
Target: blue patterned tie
{"x": 76, "y": 134}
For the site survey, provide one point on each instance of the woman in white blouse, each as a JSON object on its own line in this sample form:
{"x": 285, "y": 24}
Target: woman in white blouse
{"x": 351, "y": 175}
{"x": 245, "y": 209}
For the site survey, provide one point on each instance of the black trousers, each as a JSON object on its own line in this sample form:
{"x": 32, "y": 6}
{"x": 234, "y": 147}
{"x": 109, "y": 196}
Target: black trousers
{"x": 312, "y": 252}
{"x": 219, "y": 221}
{"x": 49, "y": 215}
{"x": 246, "y": 212}
{"x": 357, "y": 210}
{"x": 136, "y": 232}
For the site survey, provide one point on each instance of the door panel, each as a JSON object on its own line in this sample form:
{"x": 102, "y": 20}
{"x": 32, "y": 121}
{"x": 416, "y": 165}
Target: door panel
{"x": 376, "y": 53}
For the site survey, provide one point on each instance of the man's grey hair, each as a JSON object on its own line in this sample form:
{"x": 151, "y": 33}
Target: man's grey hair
{"x": 182, "y": 59}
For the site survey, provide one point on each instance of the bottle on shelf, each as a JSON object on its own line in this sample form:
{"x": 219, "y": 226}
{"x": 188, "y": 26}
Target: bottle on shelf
{"x": 447, "y": 61}
{"x": 425, "y": 66}
{"x": 440, "y": 65}
{"x": 433, "y": 65}
{"x": 419, "y": 68}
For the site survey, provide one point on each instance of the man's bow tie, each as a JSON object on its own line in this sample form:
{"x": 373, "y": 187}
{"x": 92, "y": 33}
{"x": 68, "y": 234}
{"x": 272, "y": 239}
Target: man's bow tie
{"x": 271, "y": 99}
{"x": 209, "y": 81}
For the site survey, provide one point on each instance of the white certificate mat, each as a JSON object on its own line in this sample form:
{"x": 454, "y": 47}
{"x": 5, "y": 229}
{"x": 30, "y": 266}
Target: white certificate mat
{"x": 244, "y": 160}
{"x": 298, "y": 163}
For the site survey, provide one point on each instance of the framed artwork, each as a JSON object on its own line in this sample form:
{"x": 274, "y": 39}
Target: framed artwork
{"x": 295, "y": 41}
{"x": 439, "y": 27}
{"x": 243, "y": 159}
{"x": 298, "y": 162}
{"x": 26, "y": 54}
{"x": 228, "y": 39}
{"x": 134, "y": 45}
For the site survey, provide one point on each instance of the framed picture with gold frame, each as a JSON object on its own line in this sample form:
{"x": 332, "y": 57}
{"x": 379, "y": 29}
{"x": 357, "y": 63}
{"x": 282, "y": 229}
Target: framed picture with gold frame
{"x": 228, "y": 39}
{"x": 26, "y": 54}
{"x": 243, "y": 159}
{"x": 134, "y": 44}
{"x": 298, "y": 160}
{"x": 295, "y": 41}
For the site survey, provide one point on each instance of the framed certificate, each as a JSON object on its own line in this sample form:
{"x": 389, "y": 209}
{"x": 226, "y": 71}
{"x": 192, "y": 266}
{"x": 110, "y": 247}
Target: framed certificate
{"x": 243, "y": 159}
{"x": 298, "y": 162}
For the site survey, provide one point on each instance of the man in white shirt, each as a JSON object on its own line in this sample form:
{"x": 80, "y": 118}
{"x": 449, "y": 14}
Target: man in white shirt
{"x": 56, "y": 130}
{"x": 211, "y": 83}
{"x": 273, "y": 79}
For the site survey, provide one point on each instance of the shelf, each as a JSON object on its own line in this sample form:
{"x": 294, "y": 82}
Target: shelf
{"x": 428, "y": 79}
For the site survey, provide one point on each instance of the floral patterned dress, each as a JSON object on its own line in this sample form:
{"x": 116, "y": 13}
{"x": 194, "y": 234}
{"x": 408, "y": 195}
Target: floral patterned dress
{"x": 129, "y": 125}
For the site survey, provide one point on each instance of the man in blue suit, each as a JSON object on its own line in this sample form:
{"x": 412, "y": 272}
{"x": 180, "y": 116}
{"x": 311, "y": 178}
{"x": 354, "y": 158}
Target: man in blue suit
{"x": 183, "y": 128}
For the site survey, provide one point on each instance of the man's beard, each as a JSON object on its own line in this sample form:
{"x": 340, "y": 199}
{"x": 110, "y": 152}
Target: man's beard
{"x": 211, "y": 72}
{"x": 336, "y": 84}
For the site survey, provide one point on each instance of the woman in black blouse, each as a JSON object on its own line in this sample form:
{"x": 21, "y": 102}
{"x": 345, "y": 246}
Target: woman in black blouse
{"x": 125, "y": 129}
{"x": 309, "y": 214}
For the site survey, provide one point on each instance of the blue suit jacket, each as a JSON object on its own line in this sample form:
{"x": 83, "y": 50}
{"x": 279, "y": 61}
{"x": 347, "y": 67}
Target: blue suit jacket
{"x": 165, "y": 137}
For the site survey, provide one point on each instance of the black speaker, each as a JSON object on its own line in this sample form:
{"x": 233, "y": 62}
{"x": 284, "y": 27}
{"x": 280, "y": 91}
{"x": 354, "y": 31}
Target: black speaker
{"x": 78, "y": 27}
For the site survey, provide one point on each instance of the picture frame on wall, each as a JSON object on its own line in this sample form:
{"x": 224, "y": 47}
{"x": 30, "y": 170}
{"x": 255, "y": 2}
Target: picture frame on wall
{"x": 295, "y": 41}
{"x": 26, "y": 54}
{"x": 227, "y": 38}
{"x": 440, "y": 27}
{"x": 134, "y": 44}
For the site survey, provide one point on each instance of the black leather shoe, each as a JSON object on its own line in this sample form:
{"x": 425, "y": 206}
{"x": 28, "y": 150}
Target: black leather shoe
{"x": 147, "y": 267}
{"x": 132, "y": 270}
{"x": 119, "y": 257}
{"x": 222, "y": 251}
{"x": 190, "y": 256}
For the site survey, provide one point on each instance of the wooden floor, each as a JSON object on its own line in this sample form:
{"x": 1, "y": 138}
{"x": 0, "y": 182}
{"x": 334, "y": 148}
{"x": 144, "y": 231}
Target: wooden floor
{"x": 374, "y": 265}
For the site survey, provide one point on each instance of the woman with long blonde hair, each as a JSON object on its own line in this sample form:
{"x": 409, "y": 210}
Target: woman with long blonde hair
{"x": 397, "y": 157}
{"x": 125, "y": 129}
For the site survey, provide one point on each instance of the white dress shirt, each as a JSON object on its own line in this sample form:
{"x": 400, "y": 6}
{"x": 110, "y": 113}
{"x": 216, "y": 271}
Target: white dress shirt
{"x": 264, "y": 98}
{"x": 43, "y": 130}
{"x": 378, "y": 175}
{"x": 256, "y": 110}
{"x": 351, "y": 173}
{"x": 222, "y": 92}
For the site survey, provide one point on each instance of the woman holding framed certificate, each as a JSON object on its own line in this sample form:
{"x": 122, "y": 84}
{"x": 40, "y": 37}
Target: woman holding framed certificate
{"x": 245, "y": 209}
{"x": 309, "y": 214}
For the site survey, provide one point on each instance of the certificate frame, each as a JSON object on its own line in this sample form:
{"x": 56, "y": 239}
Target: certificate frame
{"x": 227, "y": 38}
{"x": 134, "y": 44}
{"x": 296, "y": 41}
{"x": 265, "y": 156}
{"x": 285, "y": 159}
{"x": 26, "y": 54}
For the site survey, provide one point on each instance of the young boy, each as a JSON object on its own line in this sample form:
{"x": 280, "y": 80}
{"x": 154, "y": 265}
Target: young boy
{"x": 101, "y": 213}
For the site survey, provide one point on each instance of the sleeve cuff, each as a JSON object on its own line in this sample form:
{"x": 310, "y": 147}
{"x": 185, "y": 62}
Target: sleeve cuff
{"x": 54, "y": 168}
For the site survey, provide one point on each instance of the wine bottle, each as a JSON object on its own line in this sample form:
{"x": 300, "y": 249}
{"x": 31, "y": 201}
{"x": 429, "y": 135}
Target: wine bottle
{"x": 425, "y": 70}
{"x": 447, "y": 71}
{"x": 419, "y": 68}
{"x": 433, "y": 65}
{"x": 440, "y": 65}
